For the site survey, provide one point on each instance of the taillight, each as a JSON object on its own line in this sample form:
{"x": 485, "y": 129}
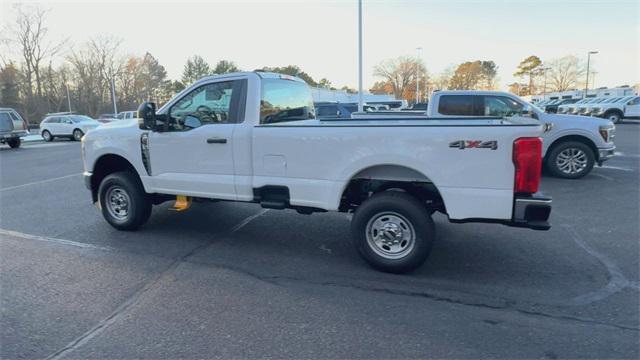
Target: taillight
{"x": 527, "y": 159}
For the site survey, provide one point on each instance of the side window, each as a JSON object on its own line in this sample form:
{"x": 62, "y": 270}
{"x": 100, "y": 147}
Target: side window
{"x": 327, "y": 110}
{"x": 635, "y": 101}
{"x": 207, "y": 104}
{"x": 15, "y": 116}
{"x": 5, "y": 122}
{"x": 501, "y": 106}
{"x": 54, "y": 120}
{"x": 461, "y": 105}
{"x": 285, "y": 100}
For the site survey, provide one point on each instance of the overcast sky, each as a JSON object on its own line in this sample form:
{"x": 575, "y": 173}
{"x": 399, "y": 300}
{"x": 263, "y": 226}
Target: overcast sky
{"x": 321, "y": 36}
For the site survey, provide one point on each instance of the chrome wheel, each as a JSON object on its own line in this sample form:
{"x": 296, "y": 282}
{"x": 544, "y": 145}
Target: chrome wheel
{"x": 77, "y": 135}
{"x": 46, "y": 135}
{"x": 572, "y": 161}
{"x": 390, "y": 235}
{"x": 117, "y": 203}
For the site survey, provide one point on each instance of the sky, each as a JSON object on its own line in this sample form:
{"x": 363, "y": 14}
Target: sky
{"x": 321, "y": 36}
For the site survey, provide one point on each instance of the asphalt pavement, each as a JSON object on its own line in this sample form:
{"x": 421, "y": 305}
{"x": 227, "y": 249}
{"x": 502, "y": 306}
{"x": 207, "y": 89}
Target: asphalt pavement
{"x": 230, "y": 280}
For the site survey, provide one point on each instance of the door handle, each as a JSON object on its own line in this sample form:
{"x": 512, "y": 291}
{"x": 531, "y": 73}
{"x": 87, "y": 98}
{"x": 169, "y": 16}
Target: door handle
{"x": 216, "y": 141}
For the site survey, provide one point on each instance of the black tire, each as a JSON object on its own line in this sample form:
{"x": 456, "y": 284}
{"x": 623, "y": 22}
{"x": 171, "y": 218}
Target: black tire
{"x": 77, "y": 135}
{"x": 564, "y": 149}
{"x": 411, "y": 211}
{"x": 14, "y": 143}
{"x": 46, "y": 135}
{"x": 614, "y": 116}
{"x": 138, "y": 202}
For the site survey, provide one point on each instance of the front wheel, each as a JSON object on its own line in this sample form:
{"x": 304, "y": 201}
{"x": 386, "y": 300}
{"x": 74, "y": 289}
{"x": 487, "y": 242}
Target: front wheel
{"x": 393, "y": 232}
{"x": 615, "y": 117}
{"x": 570, "y": 160}
{"x": 125, "y": 205}
{"x": 77, "y": 134}
{"x": 14, "y": 143}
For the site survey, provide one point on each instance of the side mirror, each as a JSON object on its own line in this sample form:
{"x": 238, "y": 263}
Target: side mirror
{"x": 192, "y": 122}
{"x": 147, "y": 114}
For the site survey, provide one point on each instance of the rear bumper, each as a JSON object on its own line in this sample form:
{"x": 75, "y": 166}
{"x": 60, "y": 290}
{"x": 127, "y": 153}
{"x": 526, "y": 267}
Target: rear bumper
{"x": 13, "y": 135}
{"x": 530, "y": 212}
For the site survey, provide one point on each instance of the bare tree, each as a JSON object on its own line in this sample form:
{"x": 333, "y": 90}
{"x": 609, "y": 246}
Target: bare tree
{"x": 400, "y": 75}
{"x": 31, "y": 35}
{"x": 565, "y": 73}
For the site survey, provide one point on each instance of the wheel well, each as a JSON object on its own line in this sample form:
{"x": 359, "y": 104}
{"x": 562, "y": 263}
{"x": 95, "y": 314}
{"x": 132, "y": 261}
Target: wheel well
{"x": 617, "y": 111}
{"x": 390, "y": 178}
{"x": 577, "y": 138}
{"x": 108, "y": 164}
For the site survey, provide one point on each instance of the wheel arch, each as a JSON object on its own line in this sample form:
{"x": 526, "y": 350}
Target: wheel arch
{"x": 105, "y": 165}
{"x": 578, "y": 138}
{"x": 614, "y": 110}
{"x": 383, "y": 177}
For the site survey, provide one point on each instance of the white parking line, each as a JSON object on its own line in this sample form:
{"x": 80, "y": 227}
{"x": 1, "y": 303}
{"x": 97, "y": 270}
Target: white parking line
{"x": 51, "y": 239}
{"x": 135, "y": 298}
{"x": 38, "y": 182}
{"x": 617, "y": 280}
{"x": 616, "y": 168}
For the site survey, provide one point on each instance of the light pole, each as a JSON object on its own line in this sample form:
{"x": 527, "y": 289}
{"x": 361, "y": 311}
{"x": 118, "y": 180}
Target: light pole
{"x": 418, "y": 49}
{"x": 544, "y": 90}
{"x": 68, "y": 98}
{"x": 113, "y": 97}
{"x": 360, "y": 102}
{"x": 593, "y": 79}
{"x": 586, "y": 85}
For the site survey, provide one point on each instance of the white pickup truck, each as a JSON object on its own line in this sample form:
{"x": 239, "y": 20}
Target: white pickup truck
{"x": 253, "y": 137}
{"x": 571, "y": 146}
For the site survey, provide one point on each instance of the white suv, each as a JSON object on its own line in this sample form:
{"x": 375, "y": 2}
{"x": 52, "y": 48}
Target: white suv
{"x": 625, "y": 107}
{"x": 66, "y": 125}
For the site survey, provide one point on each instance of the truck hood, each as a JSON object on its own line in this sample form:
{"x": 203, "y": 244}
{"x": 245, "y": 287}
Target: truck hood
{"x": 561, "y": 119}
{"x": 122, "y": 128}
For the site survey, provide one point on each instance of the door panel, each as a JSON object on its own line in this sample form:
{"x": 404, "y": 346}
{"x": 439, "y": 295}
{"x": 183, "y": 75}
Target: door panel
{"x": 194, "y": 155}
{"x": 190, "y": 163}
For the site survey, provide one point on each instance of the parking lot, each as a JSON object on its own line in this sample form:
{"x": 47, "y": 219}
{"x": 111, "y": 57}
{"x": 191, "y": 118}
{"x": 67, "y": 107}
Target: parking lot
{"x": 225, "y": 280}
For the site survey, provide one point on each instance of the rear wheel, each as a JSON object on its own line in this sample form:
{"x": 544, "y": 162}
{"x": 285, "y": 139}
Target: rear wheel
{"x": 125, "y": 205}
{"x": 77, "y": 134}
{"x": 14, "y": 143}
{"x": 46, "y": 135}
{"x": 393, "y": 232}
{"x": 570, "y": 160}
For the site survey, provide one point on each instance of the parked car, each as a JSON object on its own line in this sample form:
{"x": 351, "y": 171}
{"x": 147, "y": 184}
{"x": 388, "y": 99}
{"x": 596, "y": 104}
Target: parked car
{"x": 552, "y": 108}
{"x": 328, "y": 110}
{"x": 267, "y": 147}
{"x": 125, "y": 115}
{"x": 66, "y": 125}
{"x": 572, "y": 146}
{"x": 570, "y": 107}
{"x": 12, "y": 127}
{"x": 585, "y": 109}
{"x": 421, "y": 106}
{"x": 625, "y": 107}
{"x": 107, "y": 118}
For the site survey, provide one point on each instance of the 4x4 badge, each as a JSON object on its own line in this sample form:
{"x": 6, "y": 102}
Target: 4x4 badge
{"x": 474, "y": 144}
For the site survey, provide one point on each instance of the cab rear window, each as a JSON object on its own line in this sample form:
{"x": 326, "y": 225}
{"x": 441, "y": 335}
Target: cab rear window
{"x": 285, "y": 100}
{"x": 460, "y": 105}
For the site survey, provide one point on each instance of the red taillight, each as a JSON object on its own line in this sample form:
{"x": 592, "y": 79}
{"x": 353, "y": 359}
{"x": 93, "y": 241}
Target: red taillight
{"x": 527, "y": 159}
